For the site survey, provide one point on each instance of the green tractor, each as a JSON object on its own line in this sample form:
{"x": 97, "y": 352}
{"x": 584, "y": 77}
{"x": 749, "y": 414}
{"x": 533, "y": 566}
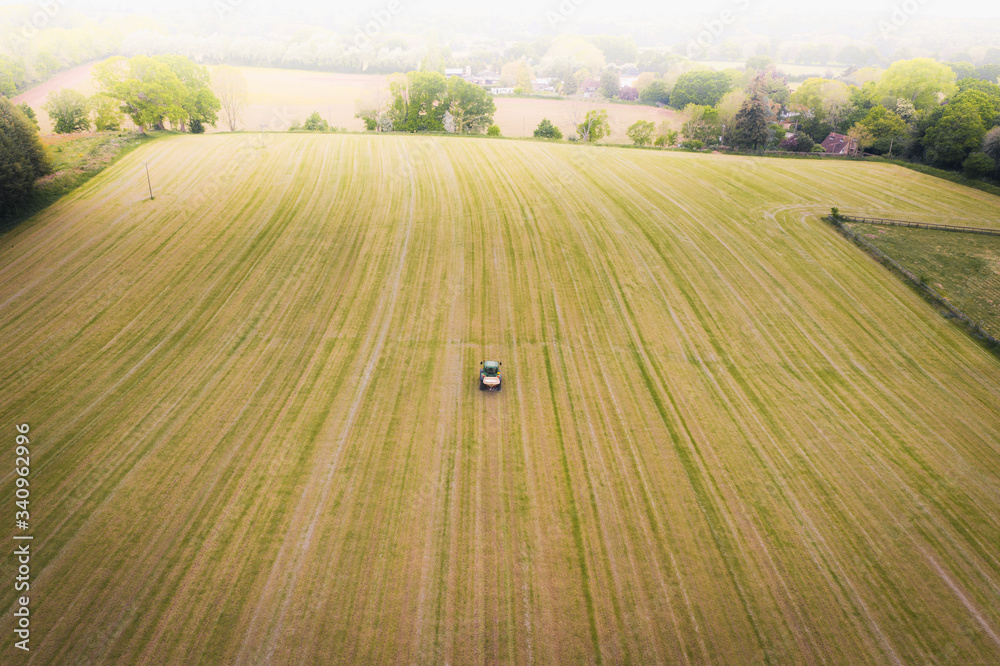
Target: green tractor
{"x": 489, "y": 376}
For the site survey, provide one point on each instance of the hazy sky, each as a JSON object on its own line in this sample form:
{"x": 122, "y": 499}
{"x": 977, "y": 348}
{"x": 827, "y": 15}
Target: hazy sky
{"x": 588, "y": 8}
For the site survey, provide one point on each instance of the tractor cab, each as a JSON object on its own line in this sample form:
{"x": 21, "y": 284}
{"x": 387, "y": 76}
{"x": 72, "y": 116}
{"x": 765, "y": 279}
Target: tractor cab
{"x": 489, "y": 376}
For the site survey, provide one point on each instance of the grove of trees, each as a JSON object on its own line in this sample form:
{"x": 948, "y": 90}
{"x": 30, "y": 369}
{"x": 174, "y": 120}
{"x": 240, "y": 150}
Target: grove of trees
{"x": 429, "y": 102}
{"x": 160, "y": 89}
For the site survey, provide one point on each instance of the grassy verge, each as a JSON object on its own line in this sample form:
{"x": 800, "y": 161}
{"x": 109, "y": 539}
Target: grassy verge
{"x": 75, "y": 160}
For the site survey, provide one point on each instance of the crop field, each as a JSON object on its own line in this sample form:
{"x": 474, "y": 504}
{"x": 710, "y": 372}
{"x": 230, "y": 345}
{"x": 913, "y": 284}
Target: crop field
{"x": 725, "y": 434}
{"x": 964, "y": 268}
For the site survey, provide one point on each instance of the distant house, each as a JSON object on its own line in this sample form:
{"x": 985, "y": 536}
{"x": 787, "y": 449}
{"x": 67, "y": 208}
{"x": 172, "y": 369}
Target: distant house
{"x": 542, "y": 85}
{"x": 590, "y": 86}
{"x": 454, "y": 71}
{"x": 840, "y": 144}
{"x": 502, "y": 91}
{"x": 487, "y": 78}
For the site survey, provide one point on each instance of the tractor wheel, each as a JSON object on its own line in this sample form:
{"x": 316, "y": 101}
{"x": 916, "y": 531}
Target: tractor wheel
{"x": 482, "y": 386}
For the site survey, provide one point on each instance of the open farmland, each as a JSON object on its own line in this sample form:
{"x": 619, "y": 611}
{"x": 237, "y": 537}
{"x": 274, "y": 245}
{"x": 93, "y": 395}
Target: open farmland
{"x": 725, "y": 434}
{"x": 277, "y": 98}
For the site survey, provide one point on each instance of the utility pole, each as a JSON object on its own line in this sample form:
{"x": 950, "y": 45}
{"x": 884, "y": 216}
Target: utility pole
{"x": 148, "y": 181}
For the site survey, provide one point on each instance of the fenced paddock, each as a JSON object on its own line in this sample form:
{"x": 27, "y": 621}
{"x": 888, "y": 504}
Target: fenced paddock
{"x": 920, "y": 225}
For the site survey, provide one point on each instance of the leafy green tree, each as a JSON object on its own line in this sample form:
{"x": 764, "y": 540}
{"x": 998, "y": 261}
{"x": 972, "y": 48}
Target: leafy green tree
{"x": 594, "y": 126}
{"x": 22, "y": 156}
{"x": 989, "y": 72}
{"x": 919, "y": 80}
{"x": 201, "y": 106}
{"x": 610, "y": 82}
{"x": 657, "y": 92}
{"x": 989, "y": 107}
{"x": 861, "y": 137}
{"x": 958, "y": 132}
{"x": 416, "y": 105}
{"x": 751, "y": 124}
{"x": 828, "y": 100}
{"x": 769, "y": 85}
{"x": 701, "y": 123}
{"x": 107, "y": 113}
{"x": 978, "y": 165}
{"x": 666, "y": 137}
{"x": 641, "y": 132}
{"x": 148, "y": 91}
{"x": 656, "y": 61}
{"x": 701, "y": 88}
{"x": 963, "y": 70}
{"x": 885, "y": 128}
{"x": 759, "y": 63}
{"x": 12, "y": 75}
{"x": 470, "y": 105}
{"x": 493, "y": 130}
{"x": 546, "y": 130}
{"x": 29, "y": 113}
{"x": 316, "y": 123}
{"x": 68, "y": 110}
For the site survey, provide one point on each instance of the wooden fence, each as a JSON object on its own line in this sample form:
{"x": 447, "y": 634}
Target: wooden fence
{"x": 920, "y": 225}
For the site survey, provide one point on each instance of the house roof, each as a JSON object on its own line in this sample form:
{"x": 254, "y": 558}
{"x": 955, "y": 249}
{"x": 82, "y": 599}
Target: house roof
{"x": 839, "y": 144}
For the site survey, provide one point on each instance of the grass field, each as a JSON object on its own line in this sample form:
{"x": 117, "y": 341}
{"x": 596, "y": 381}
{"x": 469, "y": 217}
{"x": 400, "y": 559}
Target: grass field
{"x": 725, "y": 435}
{"x": 280, "y": 97}
{"x": 964, "y": 268}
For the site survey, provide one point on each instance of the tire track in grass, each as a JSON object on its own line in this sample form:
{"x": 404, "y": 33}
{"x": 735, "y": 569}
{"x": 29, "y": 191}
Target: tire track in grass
{"x": 387, "y": 305}
{"x": 653, "y": 521}
{"x": 265, "y": 377}
{"x": 689, "y": 459}
{"x": 761, "y": 409}
{"x": 763, "y": 462}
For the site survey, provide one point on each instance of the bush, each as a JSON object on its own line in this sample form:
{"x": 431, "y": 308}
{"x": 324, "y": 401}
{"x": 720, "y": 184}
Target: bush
{"x": 641, "y": 132}
{"x": 197, "y": 127}
{"x": 546, "y": 130}
{"x": 493, "y": 130}
{"x": 693, "y": 144}
{"x": 68, "y": 109}
{"x": 978, "y": 165}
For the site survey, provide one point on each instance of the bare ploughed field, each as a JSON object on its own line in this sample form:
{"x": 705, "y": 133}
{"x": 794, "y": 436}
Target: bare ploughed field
{"x": 725, "y": 435}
